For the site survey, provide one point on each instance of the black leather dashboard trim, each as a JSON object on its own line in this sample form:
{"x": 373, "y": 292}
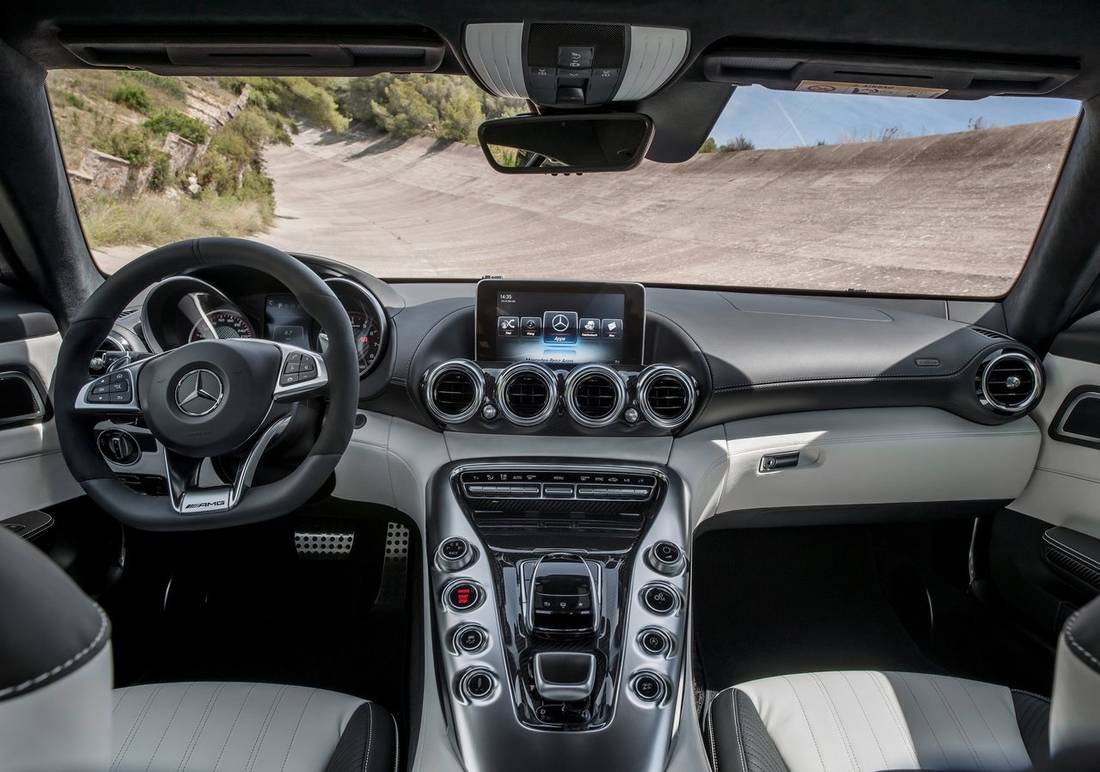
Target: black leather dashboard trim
{"x": 21, "y": 319}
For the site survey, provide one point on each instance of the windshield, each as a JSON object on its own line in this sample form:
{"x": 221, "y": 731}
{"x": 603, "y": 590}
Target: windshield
{"x": 792, "y": 190}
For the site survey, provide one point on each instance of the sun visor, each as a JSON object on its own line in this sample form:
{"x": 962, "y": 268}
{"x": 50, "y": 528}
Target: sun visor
{"x": 907, "y": 73}
{"x": 251, "y": 52}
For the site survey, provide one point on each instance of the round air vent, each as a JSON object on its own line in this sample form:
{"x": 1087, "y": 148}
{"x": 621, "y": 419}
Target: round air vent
{"x": 527, "y": 393}
{"x": 666, "y": 396}
{"x": 1009, "y": 382}
{"x": 594, "y": 395}
{"x": 454, "y": 390}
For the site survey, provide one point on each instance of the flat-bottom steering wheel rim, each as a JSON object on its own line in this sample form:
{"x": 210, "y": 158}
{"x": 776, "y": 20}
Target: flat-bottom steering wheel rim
{"x": 97, "y": 316}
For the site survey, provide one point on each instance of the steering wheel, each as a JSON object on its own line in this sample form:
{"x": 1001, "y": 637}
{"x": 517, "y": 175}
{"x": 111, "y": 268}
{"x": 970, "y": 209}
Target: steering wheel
{"x": 207, "y": 398}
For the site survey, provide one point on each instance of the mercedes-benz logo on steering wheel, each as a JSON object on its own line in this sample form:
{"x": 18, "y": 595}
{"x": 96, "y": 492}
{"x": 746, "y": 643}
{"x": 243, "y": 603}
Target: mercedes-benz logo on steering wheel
{"x": 199, "y": 392}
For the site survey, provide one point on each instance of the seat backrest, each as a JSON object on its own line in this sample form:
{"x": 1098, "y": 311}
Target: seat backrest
{"x": 55, "y": 667}
{"x": 1075, "y": 708}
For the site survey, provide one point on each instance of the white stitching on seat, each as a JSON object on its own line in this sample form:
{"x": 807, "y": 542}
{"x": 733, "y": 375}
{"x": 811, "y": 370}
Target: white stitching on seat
{"x": 710, "y": 733}
{"x": 958, "y": 723}
{"x": 167, "y": 726}
{"x": 981, "y": 715}
{"x": 233, "y": 726}
{"x": 893, "y": 707}
{"x": 844, "y": 739}
{"x": 10, "y": 691}
{"x": 258, "y": 744}
{"x": 863, "y": 710}
{"x": 296, "y": 727}
{"x": 806, "y": 718}
{"x": 125, "y": 748}
{"x": 200, "y": 726}
{"x": 370, "y": 734}
{"x": 737, "y": 732}
{"x": 396, "y": 744}
{"x": 1073, "y": 641}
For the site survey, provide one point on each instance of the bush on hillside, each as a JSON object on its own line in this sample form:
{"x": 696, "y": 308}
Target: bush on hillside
{"x": 131, "y": 144}
{"x": 173, "y": 120}
{"x": 306, "y": 97}
{"x": 709, "y": 146}
{"x": 736, "y": 145}
{"x": 134, "y": 97}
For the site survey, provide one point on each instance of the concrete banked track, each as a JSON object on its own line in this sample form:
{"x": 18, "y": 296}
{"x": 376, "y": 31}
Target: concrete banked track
{"x": 949, "y": 214}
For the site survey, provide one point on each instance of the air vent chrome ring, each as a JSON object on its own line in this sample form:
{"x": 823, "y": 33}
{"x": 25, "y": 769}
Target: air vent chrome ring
{"x": 990, "y": 402}
{"x": 431, "y": 380}
{"x": 577, "y": 378}
{"x": 507, "y": 378}
{"x": 652, "y": 375}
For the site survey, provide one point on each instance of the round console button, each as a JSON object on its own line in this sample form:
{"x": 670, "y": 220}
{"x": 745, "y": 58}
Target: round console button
{"x": 654, "y": 641}
{"x": 470, "y": 638}
{"x": 659, "y": 598}
{"x": 649, "y": 687}
{"x": 666, "y": 552}
{"x": 477, "y": 684}
{"x": 666, "y": 558}
{"x": 454, "y": 554}
{"x": 463, "y": 595}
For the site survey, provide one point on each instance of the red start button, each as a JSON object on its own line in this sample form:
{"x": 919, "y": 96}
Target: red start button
{"x": 463, "y": 595}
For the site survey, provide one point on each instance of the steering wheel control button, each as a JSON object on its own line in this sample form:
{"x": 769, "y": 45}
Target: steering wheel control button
{"x": 648, "y": 687}
{"x": 476, "y": 684}
{"x": 454, "y": 554}
{"x": 659, "y": 598}
{"x": 470, "y": 639}
{"x": 111, "y": 389}
{"x": 463, "y": 595}
{"x": 655, "y": 641}
{"x": 666, "y": 558}
{"x": 119, "y": 447}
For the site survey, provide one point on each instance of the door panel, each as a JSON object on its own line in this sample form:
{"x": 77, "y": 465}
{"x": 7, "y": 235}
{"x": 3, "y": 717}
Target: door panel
{"x": 33, "y": 473}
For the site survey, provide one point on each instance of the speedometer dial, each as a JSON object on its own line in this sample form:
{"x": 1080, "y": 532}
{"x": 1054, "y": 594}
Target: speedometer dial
{"x": 223, "y": 323}
{"x": 368, "y": 321}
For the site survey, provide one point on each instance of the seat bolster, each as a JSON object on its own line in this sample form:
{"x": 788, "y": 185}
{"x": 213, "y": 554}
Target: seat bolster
{"x": 1075, "y": 714}
{"x": 738, "y": 739}
{"x": 368, "y": 743}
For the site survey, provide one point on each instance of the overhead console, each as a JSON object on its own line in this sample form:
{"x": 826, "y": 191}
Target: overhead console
{"x": 564, "y": 351}
{"x": 574, "y": 65}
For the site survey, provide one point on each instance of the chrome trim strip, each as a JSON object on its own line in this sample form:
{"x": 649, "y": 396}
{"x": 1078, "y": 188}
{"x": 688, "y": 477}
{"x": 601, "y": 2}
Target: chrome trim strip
{"x": 645, "y": 381}
{"x": 1061, "y": 430}
{"x": 573, "y": 381}
{"x": 475, "y": 374}
{"x": 39, "y": 411}
{"x": 504, "y": 380}
{"x": 1037, "y": 373}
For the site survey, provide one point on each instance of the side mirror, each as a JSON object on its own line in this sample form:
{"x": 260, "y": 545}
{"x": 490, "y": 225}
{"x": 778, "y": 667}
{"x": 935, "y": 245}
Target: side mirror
{"x": 566, "y": 144}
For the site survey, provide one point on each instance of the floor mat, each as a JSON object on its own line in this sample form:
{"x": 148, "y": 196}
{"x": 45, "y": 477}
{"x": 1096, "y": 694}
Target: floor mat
{"x": 790, "y": 600}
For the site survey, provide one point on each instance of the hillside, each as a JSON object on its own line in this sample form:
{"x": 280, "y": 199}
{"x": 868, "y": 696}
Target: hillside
{"x": 947, "y": 214}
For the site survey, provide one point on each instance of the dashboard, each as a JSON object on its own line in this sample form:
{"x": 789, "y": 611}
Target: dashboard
{"x": 616, "y": 359}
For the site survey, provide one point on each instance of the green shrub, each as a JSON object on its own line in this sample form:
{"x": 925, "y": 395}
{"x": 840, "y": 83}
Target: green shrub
{"x": 288, "y": 96}
{"x": 134, "y": 97}
{"x": 173, "y": 87}
{"x": 131, "y": 144}
{"x": 460, "y": 117}
{"x": 709, "y": 146}
{"x": 161, "y": 175}
{"x": 75, "y": 100}
{"x": 173, "y": 120}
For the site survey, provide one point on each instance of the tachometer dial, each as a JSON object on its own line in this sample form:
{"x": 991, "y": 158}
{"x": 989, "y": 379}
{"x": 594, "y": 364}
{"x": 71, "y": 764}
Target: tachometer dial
{"x": 223, "y": 323}
{"x": 368, "y": 321}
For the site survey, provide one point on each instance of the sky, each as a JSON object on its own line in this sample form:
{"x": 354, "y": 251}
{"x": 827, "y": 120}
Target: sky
{"x": 776, "y": 119}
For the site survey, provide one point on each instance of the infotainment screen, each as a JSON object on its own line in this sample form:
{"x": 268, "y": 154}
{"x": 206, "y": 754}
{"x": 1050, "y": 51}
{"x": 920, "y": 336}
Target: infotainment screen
{"x": 560, "y": 322}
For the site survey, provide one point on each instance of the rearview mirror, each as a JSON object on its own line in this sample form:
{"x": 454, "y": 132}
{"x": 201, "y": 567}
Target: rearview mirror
{"x": 566, "y": 144}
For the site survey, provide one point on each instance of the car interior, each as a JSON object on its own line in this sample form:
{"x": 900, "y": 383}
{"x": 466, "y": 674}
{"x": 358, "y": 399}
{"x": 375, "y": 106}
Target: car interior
{"x": 602, "y": 408}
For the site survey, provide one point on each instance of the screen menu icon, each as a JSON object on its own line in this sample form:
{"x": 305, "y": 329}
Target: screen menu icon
{"x": 559, "y": 327}
{"x": 508, "y": 326}
{"x": 530, "y": 326}
{"x": 613, "y": 328}
{"x": 590, "y": 328}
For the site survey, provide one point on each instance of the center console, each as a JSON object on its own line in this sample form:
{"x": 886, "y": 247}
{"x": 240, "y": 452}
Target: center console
{"x": 559, "y": 596}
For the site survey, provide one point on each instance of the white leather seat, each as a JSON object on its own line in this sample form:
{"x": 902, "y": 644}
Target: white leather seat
{"x": 864, "y": 721}
{"x": 240, "y": 727}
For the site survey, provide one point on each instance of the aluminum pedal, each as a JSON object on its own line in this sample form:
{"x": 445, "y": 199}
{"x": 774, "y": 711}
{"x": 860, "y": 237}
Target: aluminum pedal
{"x": 395, "y": 566}
{"x": 324, "y": 545}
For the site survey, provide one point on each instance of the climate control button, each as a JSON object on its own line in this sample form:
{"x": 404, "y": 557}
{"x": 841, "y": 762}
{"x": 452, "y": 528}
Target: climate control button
{"x": 666, "y": 558}
{"x": 655, "y": 641}
{"x": 470, "y": 639}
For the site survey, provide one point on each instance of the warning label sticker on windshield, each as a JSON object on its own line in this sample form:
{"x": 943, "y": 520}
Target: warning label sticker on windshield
{"x": 874, "y": 89}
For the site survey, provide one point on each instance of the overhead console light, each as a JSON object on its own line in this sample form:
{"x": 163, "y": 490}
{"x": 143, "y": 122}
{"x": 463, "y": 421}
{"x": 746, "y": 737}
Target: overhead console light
{"x": 268, "y": 51}
{"x": 574, "y": 65}
{"x": 886, "y": 72}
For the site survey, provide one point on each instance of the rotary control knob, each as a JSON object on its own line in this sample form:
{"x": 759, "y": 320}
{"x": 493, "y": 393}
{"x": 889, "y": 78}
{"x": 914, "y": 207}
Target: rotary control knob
{"x": 476, "y": 684}
{"x": 454, "y": 554}
{"x": 649, "y": 687}
{"x": 666, "y": 558}
{"x": 660, "y": 598}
